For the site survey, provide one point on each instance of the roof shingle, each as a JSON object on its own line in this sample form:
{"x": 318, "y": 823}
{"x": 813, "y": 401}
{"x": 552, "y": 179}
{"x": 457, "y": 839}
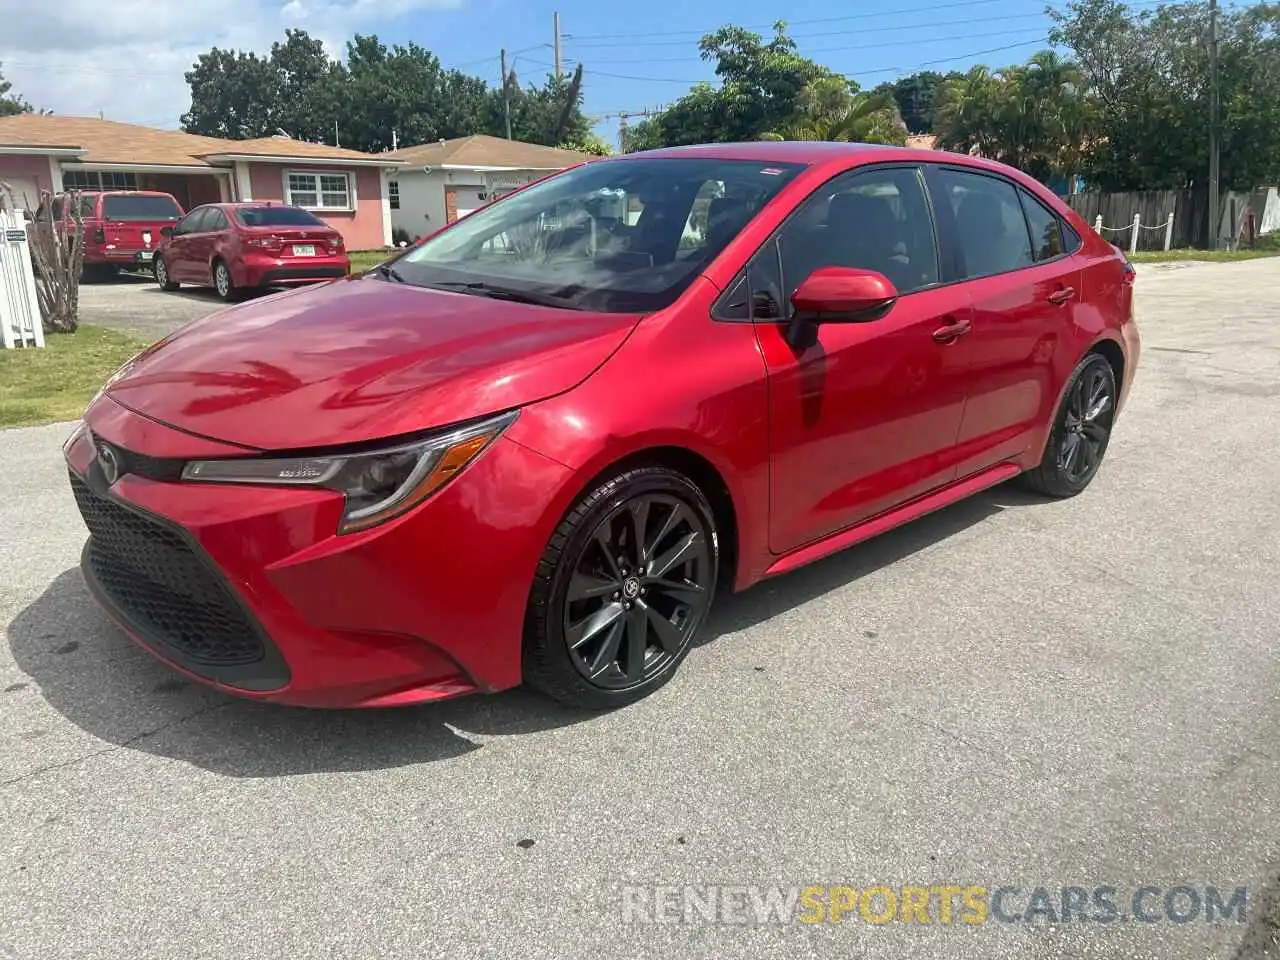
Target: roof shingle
{"x": 485, "y": 151}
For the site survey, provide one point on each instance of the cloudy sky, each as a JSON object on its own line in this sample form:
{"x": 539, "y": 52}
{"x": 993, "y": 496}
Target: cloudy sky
{"x": 126, "y": 58}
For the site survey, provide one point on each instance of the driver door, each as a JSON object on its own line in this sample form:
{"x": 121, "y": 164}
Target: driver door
{"x": 867, "y": 417}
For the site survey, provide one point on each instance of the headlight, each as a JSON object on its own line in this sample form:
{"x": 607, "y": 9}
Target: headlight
{"x": 378, "y": 484}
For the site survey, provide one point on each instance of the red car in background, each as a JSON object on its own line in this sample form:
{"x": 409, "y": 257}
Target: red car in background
{"x": 535, "y": 447}
{"x": 122, "y": 228}
{"x": 238, "y": 247}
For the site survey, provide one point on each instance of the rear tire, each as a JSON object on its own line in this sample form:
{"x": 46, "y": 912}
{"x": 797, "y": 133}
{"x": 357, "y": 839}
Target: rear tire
{"x": 1081, "y": 431}
{"x": 223, "y": 284}
{"x": 160, "y": 270}
{"x": 622, "y": 590}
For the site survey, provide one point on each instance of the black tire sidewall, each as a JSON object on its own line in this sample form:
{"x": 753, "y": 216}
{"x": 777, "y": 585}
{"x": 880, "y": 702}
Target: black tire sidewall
{"x": 544, "y": 624}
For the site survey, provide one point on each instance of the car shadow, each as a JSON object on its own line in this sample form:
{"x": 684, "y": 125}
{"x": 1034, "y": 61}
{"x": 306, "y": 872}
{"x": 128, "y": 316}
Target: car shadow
{"x": 100, "y": 681}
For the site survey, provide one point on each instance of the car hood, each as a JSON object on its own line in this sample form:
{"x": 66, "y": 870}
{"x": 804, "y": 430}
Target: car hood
{"x": 361, "y": 359}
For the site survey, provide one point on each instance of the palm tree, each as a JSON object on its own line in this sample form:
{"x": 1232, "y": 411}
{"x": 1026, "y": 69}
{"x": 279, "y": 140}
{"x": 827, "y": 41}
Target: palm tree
{"x": 832, "y": 109}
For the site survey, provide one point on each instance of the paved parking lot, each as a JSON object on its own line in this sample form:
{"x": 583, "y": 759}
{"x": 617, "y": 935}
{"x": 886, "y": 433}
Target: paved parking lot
{"x": 1009, "y": 692}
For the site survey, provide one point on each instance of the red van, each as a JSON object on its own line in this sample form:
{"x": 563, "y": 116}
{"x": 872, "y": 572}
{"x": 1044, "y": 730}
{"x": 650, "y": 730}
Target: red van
{"x": 121, "y": 227}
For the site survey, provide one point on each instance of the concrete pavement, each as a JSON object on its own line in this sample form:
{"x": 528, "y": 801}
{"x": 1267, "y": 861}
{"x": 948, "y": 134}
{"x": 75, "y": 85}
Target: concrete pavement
{"x": 1007, "y": 693}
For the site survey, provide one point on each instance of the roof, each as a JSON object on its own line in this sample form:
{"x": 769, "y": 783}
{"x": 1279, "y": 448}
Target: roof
{"x": 481, "y": 151}
{"x": 110, "y": 141}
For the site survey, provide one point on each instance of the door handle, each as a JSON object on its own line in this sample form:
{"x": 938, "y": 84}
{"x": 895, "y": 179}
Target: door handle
{"x": 952, "y": 331}
{"x": 1062, "y": 296}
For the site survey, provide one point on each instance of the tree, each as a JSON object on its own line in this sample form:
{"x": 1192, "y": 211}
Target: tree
{"x": 759, "y": 92}
{"x": 233, "y": 95}
{"x": 831, "y": 108}
{"x": 11, "y": 104}
{"x": 1148, "y": 77}
{"x": 915, "y": 95}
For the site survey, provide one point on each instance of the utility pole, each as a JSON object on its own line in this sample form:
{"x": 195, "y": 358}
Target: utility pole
{"x": 555, "y": 21}
{"x": 1213, "y": 125}
{"x": 506, "y": 93}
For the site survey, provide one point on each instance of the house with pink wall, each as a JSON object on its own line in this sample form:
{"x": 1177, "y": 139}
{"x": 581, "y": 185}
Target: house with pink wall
{"x": 346, "y": 188}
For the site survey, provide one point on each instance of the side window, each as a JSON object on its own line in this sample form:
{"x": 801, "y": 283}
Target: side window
{"x": 215, "y": 219}
{"x": 88, "y": 206}
{"x": 1070, "y": 239}
{"x": 990, "y": 227}
{"x": 757, "y": 294}
{"x": 1046, "y": 228}
{"x": 190, "y": 223}
{"x": 876, "y": 219}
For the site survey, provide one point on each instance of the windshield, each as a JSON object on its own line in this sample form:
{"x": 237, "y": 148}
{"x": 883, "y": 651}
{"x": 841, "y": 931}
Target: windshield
{"x": 277, "y": 217}
{"x": 619, "y": 236}
{"x": 140, "y": 208}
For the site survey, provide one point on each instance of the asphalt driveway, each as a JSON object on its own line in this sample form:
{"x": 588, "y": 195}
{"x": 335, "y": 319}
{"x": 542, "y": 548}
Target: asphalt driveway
{"x": 133, "y": 303}
{"x": 1007, "y": 693}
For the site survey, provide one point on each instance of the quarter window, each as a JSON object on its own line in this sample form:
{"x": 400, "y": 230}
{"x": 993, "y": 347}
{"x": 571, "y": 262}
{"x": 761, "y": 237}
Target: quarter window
{"x": 990, "y": 227}
{"x": 1046, "y": 228}
{"x": 318, "y": 191}
{"x": 876, "y": 219}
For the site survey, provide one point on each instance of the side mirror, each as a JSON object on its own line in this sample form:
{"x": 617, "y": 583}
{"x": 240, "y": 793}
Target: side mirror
{"x": 838, "y": 295}
{"x": 166, "y": 231}
{"x": 843, "y": 295}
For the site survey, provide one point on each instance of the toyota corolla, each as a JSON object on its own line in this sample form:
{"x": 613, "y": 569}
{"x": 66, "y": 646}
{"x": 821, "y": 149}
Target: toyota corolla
{"x": 535, "y": 447}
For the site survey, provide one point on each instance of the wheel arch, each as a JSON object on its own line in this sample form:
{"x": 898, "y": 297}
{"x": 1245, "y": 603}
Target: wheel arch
{"x": 702, "y": 471}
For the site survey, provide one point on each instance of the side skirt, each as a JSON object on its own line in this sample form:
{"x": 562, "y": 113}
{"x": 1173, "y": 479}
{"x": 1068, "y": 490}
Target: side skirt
{"x": 894, "y": 518}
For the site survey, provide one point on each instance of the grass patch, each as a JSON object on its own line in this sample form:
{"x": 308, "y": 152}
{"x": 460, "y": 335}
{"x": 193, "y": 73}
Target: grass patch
{"x": 362, "y": 260}
{"x": 1208, "y": 256}
{"x": 56, "y": 383}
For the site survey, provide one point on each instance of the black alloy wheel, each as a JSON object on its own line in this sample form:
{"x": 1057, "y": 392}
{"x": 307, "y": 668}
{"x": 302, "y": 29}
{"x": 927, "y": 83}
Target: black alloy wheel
{"x": 632, "y": 576}
{"x": 1081, "y": 431}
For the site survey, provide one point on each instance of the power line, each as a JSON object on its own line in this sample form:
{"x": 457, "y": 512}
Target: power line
{"x": 915, "y": 41}
{"x": 790, "y": 23}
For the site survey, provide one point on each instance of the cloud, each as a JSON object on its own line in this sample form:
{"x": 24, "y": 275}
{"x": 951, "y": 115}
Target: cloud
{"x": 70, "y": 58}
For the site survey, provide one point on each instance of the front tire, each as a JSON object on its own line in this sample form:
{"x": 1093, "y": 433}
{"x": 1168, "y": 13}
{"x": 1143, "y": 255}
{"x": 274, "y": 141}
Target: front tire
{"x": 622, "y": 590}
{"x": 160, "y": 270}
{"x": 1081, "y": 431}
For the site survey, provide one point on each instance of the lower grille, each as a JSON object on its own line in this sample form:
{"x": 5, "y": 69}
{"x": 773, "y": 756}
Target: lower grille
{"x": 164, "y": 588}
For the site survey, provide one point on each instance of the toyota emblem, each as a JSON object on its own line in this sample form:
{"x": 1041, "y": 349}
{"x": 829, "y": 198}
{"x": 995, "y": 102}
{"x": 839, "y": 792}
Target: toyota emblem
{"x": 109, "y": 463}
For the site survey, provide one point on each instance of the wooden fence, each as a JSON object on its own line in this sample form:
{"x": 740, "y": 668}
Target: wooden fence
{"x": 1190, "y": 209}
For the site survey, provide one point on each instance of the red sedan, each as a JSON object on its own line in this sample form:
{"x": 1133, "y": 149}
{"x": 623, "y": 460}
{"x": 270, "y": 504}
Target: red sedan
{"x": 535, "y": 447}
{"x": 239, "y": 247}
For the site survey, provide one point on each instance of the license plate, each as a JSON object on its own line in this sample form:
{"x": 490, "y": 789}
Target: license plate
{"x": 304, "y": 249}
{"x": 145, "y": 254}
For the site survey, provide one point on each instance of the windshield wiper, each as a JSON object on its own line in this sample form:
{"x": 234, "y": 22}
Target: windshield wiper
{"x": 388, "y": 272}
{"x": 481, "y": 289}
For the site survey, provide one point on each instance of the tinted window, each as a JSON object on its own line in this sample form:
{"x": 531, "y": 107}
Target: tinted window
{"x": 126, "y": 207}
{"x": 757, "y": 294}
{"x": 215, "y": 219}
{"x": 1070, "y": 239}
{"x": 611, "y": 235}
{"x": 276, "y": 217}
{"x": 193, "y": 222}
{"x": 88, "y": 205}
{"x": 990, "y": 227}
{"x": 1046, "y": 228}
{"x": 876, "y": 219}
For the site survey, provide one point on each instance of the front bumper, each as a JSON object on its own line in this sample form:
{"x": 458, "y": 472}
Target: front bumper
{"x": 249, "y": 588}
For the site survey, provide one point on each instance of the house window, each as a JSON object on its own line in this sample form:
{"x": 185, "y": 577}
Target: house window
{"x": 319, "y": 191}
{"x": 99, "y": 180}
{"x": 393, "y": 193}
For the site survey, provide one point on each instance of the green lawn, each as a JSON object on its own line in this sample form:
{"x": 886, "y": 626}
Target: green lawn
{"x": 1213, "y": 256}
{"x": 44, "y": 386}
{"x": 362, "y": 260}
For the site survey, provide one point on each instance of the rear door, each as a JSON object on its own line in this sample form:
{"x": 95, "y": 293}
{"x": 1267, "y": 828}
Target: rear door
{"x": 1023, "y": 284}
{"x": 865, "y": 418}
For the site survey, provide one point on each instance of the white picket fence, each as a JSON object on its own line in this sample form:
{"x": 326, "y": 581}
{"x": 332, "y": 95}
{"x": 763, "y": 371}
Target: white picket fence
{"x": 20, "y": 323}
{"x": 1134, "y": 227}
